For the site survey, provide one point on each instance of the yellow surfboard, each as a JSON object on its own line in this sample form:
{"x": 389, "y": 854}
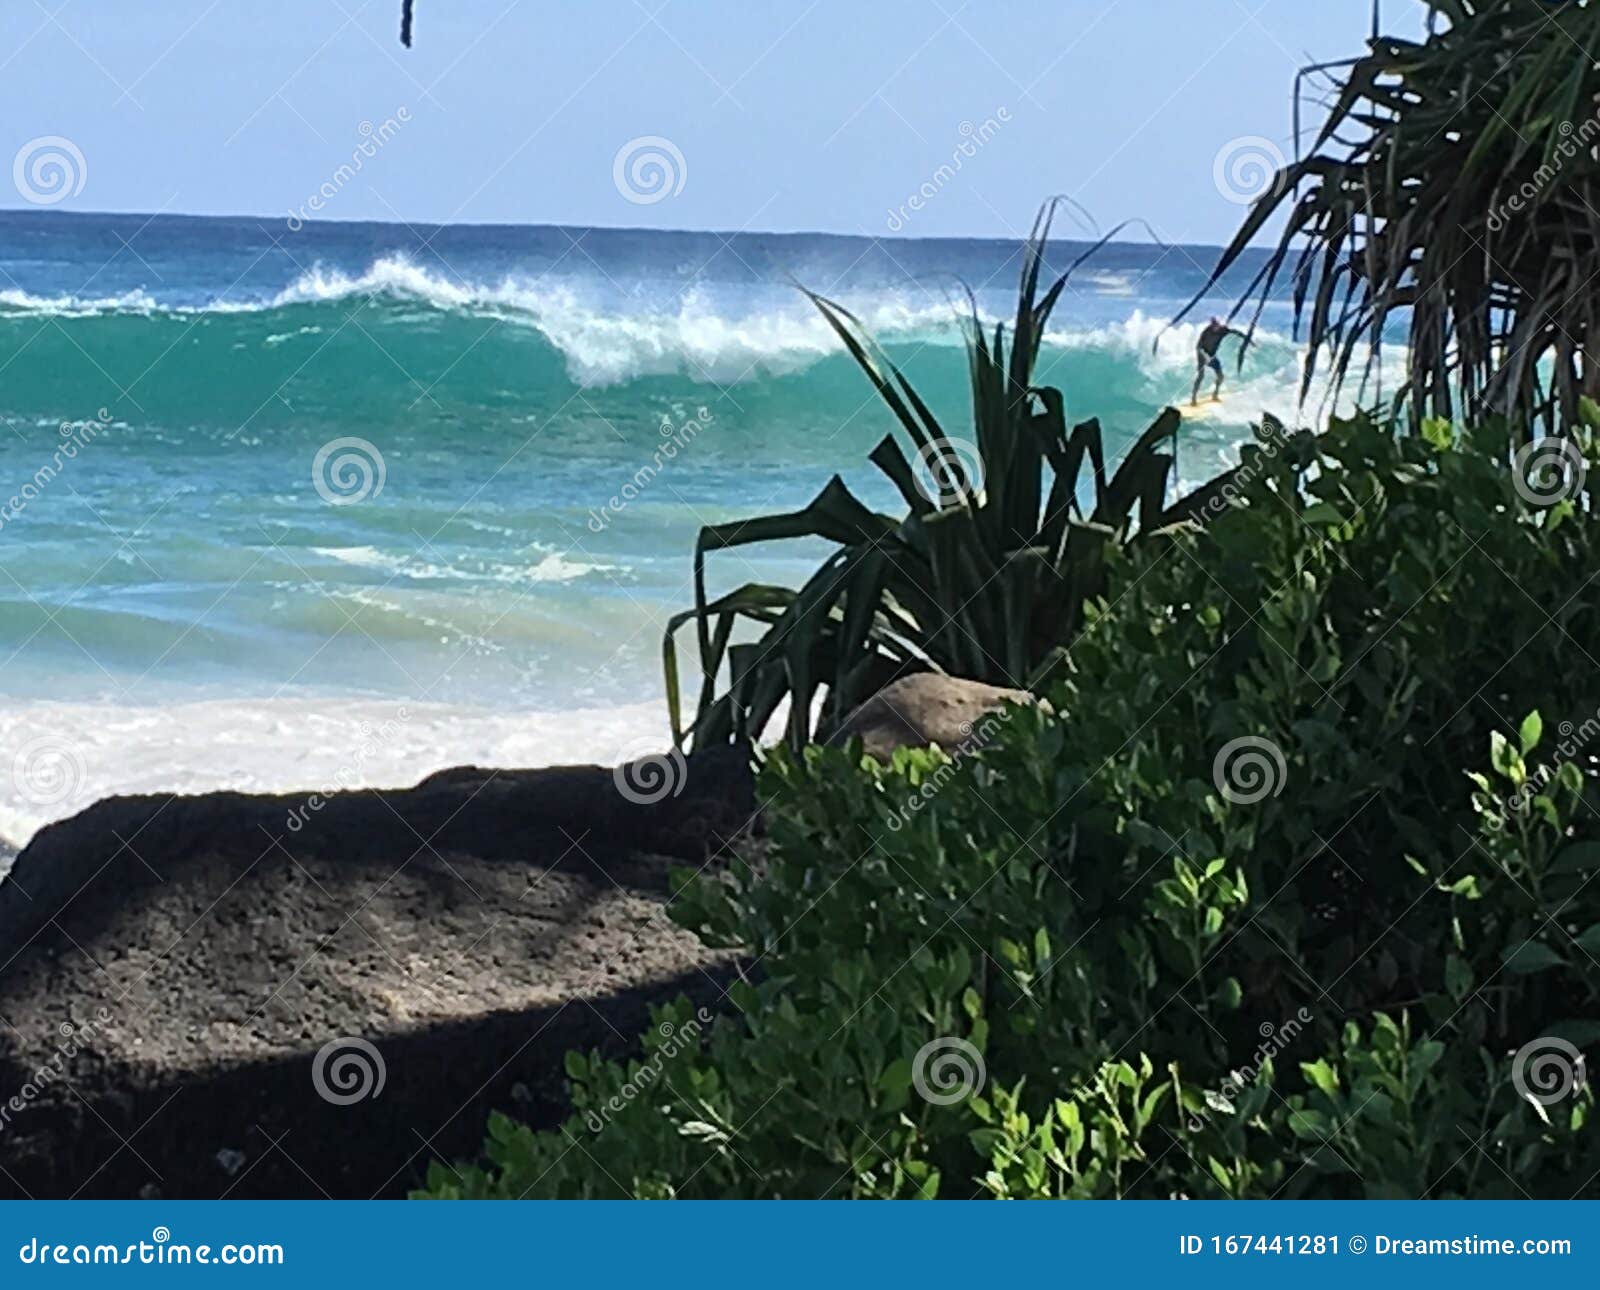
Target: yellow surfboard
{"x": 1202, "y": 411}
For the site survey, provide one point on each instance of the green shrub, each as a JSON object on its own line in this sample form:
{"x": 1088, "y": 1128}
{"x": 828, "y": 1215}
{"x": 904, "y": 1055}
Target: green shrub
{"x": 1293, "y": 895}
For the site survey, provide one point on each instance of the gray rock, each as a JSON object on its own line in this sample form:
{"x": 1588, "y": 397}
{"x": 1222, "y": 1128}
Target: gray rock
{"x": 925, "y": 709}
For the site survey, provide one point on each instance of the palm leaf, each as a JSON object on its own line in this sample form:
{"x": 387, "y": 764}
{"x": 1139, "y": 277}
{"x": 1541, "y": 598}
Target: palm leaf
{"x": 1452, "y": 191}
{"x": 983, "y": 581}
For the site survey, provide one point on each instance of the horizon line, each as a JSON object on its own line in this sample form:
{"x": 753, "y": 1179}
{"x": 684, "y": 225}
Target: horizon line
{"x": 152, "y": 216}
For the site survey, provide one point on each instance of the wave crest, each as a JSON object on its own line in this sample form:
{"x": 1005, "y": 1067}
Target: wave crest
{"x": 603, "y": 343}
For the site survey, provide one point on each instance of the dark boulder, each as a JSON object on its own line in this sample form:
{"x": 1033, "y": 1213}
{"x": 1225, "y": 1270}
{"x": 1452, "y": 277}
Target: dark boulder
{"x": 171, "y": 968}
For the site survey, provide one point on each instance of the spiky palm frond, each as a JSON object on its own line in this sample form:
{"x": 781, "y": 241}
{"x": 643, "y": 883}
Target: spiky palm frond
{"x": 986, "y": 576}
{"x": 1455, "y": 186}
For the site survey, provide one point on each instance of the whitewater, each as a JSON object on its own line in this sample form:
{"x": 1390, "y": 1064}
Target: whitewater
{"x": 331, "y": 524}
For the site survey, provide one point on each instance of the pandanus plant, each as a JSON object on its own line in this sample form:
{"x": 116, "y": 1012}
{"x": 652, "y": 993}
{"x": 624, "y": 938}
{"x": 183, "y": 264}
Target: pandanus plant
{"x": 1453, "y": 191}
{"x": 986, "y": 575}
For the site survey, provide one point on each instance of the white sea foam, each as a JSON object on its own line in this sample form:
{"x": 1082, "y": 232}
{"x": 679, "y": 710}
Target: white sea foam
{"x": 1163, "y": 354}
{"x": 604, "y": 346}
{"x": 95, "y": 750}
{"x": 550, "y": 566}
{"x": 1105, "y": 281}
{"x": 139, "y": 302}
{"x": 693, "y": 336}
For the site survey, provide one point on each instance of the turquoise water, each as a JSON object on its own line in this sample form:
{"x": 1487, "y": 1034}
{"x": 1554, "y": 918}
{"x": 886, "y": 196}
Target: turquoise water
{"x": 189, "y": 596}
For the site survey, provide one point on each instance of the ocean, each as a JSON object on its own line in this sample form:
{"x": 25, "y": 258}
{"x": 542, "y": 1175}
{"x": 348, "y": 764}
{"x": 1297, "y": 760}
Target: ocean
{"x": 346, "y": 504}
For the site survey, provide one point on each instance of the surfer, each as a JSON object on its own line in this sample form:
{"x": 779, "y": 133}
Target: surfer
{"x": 1205, "y": 352}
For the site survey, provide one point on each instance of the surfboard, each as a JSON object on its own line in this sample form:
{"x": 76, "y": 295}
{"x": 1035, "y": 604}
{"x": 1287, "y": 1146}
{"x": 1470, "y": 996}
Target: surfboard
{"x": 1203, "y": 410}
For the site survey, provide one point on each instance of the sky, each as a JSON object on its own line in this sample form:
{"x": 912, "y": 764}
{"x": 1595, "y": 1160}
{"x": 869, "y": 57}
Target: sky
{"x": 924, "y": 118}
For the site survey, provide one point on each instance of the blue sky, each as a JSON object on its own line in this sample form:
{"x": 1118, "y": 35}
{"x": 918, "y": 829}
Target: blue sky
{"x": 794, "y": 116}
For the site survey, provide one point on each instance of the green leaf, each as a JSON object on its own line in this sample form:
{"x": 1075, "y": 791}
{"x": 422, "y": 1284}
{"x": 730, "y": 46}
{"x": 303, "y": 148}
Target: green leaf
{"x": 1532, "y": 728}
{"x": 1504, "y": 758}
{"x": 896, "y": 1077}
{"x": 1589, "y": 941}
{"x": 700, "y": 1130}
{"x": 1530, "y": 957}
{"x": 1582, "y": 1032}
{"x": 1580, "y": 857}
{"x": 1322, "y": 1075}
{"x": 959, "y": 971}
